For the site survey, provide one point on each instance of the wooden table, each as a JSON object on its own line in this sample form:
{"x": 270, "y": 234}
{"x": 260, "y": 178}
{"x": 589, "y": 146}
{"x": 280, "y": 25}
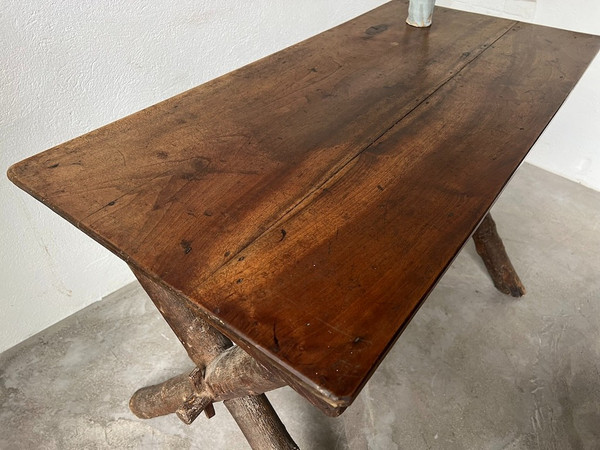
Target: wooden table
{"x": 305, "y": 205}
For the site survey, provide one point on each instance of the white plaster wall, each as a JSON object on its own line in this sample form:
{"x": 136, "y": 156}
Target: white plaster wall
{"x": 570, "y": 145}
{"x": 70, "y": 66}
{"x": 67, "y": 67}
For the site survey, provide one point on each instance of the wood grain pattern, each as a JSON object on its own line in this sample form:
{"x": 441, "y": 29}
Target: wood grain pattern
{"x": 188, "y": 183}
{"x": 357, "y": 260}
{"x": 310, "y": 201}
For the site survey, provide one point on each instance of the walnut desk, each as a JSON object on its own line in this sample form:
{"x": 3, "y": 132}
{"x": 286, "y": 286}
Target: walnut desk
{"x": 303, "y": 207}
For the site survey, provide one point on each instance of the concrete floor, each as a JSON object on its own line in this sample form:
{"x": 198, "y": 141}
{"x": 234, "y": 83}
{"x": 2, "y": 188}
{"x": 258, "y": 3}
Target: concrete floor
{"x": 474, "y": 370}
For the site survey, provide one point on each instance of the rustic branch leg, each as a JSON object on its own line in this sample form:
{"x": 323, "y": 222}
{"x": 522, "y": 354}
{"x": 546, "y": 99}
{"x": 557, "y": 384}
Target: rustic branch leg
{"x": 161, "y": 399}
{"x": 232, "y": 374}
{"x": 258, "y": 420}
{"x": 491, "y": 249}
{"x": 254, "y": 414}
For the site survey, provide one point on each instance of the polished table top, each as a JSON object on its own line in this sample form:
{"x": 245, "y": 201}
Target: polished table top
{"x": 310, "y": 201}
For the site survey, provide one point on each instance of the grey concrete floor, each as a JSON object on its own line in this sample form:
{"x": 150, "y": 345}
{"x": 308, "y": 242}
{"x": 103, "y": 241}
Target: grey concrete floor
{"x": 474, "y": 370}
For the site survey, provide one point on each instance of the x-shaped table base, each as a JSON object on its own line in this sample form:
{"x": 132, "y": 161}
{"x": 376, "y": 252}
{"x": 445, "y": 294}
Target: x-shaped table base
{"x": 227, "y": 373}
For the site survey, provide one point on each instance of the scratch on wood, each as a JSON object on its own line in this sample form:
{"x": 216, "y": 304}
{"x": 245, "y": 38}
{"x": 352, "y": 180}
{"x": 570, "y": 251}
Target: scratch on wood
{"x": 328, "y": 325}
{"x": 276, "y": 347}
{"x": 122, "y": 156}
{"x": 186, "y": 246}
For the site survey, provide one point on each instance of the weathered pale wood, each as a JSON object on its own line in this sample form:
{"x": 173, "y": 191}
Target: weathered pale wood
{"x": 192, "y": 407}
{"x": 491, "y": 249}
{"x": 254, "y": 414}
{"x": 232, "y": 374}
{"x": 309, "y": 202}
{"x": 197, "y": 401}
{"x": 257, "y": 420}
{"x": 163, "y": 398}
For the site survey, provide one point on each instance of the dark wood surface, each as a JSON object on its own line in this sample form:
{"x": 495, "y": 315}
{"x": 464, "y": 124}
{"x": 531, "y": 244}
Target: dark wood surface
{"x": 310, "y": 201}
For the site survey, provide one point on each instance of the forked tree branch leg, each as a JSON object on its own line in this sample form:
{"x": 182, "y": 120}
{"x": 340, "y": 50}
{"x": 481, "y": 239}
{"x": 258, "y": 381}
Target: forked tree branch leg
{"x": 254, "y": 414}
{"x": 491, "y": 249}
{"x": 232, "y": 374}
